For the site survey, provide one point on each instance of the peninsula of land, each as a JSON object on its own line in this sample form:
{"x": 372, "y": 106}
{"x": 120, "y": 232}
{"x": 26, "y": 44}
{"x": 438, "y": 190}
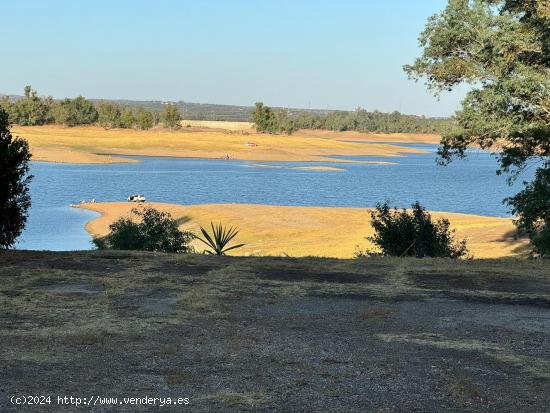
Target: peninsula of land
{"x": 312, "y": 231}
{"x": 211, "y": 140}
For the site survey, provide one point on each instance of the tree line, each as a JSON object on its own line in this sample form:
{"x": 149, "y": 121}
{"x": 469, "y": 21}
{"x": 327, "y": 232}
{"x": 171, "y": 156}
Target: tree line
{"x": 32, "y": 110}
{"x": 269, "y": 120}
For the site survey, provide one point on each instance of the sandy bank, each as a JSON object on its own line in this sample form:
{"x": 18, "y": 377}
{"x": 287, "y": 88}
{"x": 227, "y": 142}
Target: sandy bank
{"x": 68, "y": 155}
{"x": 86, "y": 144}
{"x": 304, "y": 168}
{"x": 316, "y": 231}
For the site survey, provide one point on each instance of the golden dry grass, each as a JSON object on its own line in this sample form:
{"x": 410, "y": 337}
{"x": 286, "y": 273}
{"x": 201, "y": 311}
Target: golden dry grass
{"x": 218, "y": 124}
{"x": 60, "y": 144}
{"x": 313, "y": 231}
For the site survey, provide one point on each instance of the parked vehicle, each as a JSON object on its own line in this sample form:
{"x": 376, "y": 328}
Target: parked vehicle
{"x": 136, "y": 198}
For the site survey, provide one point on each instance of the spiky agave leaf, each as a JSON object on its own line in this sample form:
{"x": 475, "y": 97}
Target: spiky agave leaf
{"x": 221, "y": 236}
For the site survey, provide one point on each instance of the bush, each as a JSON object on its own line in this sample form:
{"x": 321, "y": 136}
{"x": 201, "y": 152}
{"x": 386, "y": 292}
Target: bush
{"x": 154, "y": 231}
{"x": 413, "y": 233}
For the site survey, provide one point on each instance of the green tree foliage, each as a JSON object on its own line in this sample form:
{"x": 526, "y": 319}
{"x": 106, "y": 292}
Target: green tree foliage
{"x": 77, "y": 111}
{"x": 413, "y": 233}
{"x": 264, "y": 119}
{"x": 30, "y": 110}
{"x": 152, "y": 231}
{"x": 282, "y": 121}
{"x": 532, "y": 205}
{"x": 14, "y": 184}
{"x": 144, "y": 119}
{"x": 112, "y": 115}
{"x": 127, "y": 119}
{"x": 267, "y": 120}
{"x": 363, "y": 121}
{"x": 502, "y": 49}
{"x": 220, "y": 238}
{"x": 171, "y": 117}
{"x": 108, "y": 115}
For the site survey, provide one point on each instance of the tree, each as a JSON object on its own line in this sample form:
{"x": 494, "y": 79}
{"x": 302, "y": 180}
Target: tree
{"x": 30, "y": 110}
{"x": 532, "y": 205}
{"x": 154, "y": 230}
{"x": 127, "y": 119}
{"x": 263, "y": 118}
{"x": 77, "y": 111}
{"x": 269, "y": 121}
{"x": 502, "y": 49}
{"x": 108, "y": 115}
{"x": 283, "y": 122}
{"x": 171, "y": 117}
{"x": 15, "y": 200}
{"x": 144, "y": 119}
{"x": 403, "y": 233}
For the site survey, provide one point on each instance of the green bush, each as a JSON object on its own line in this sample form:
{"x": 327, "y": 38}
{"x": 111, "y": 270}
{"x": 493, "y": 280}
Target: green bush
{"x": 152, "y": 231}
{"x": 413, "y": 233}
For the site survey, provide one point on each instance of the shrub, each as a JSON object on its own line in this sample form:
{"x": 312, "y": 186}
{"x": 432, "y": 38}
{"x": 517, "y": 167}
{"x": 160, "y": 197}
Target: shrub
{"x": 153, "y": 231}
{"x": 413, "y": 233}
{"x": 217, "y": 242}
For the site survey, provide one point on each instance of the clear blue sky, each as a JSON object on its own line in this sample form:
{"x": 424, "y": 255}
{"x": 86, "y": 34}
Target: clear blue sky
{"x": 319, "y": 54}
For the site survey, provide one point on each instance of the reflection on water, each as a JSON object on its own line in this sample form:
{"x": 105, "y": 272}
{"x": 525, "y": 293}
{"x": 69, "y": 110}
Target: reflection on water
{"x": 469, "y": 186}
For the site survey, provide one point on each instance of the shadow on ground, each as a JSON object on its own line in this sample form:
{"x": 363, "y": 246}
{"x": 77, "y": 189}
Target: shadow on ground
{"x": 276, "y": 334}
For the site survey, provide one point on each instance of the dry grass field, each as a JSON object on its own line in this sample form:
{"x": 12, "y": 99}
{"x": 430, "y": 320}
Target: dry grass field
{"x": 312, "y": 231}
{"x": 266, "y": 334}
{"x": 90, "y": 144}
{"x": 218, "y": 124}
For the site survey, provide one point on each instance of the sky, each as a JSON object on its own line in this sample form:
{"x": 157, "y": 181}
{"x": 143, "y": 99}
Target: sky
{"x": 337, "y": 54}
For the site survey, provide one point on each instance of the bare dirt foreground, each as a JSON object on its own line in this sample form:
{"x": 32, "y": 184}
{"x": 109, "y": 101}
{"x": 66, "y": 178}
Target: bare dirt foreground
{"x": 275, "y": 334}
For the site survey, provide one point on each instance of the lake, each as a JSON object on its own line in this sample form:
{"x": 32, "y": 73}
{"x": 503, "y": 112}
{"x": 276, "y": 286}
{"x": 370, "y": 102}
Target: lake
{"x": 468, "y": 186}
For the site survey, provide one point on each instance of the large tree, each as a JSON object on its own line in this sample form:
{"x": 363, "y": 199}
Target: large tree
{"x": 171, "y": 117}
{"x": 108, "y": 115}
{"x": 14, "y": 184}
{"x": 30, "y": 110}
{"x": 77, "y": 111}
{"x": 502, "y": 49}
{"x": 144, "y": 119}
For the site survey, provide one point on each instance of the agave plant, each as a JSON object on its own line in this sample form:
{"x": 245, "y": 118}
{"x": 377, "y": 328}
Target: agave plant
{"x": 221, "y": 236}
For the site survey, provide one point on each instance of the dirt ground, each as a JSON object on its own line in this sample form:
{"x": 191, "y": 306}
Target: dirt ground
{"x": 274, "y": 334}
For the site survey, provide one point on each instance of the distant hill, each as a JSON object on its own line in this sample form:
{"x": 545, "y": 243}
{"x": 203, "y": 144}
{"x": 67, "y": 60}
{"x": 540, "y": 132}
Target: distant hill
{"x": 206, "y": 111}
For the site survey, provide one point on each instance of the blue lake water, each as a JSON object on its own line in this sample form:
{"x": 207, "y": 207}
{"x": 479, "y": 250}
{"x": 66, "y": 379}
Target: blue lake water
{"x": 468, "y": 186}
